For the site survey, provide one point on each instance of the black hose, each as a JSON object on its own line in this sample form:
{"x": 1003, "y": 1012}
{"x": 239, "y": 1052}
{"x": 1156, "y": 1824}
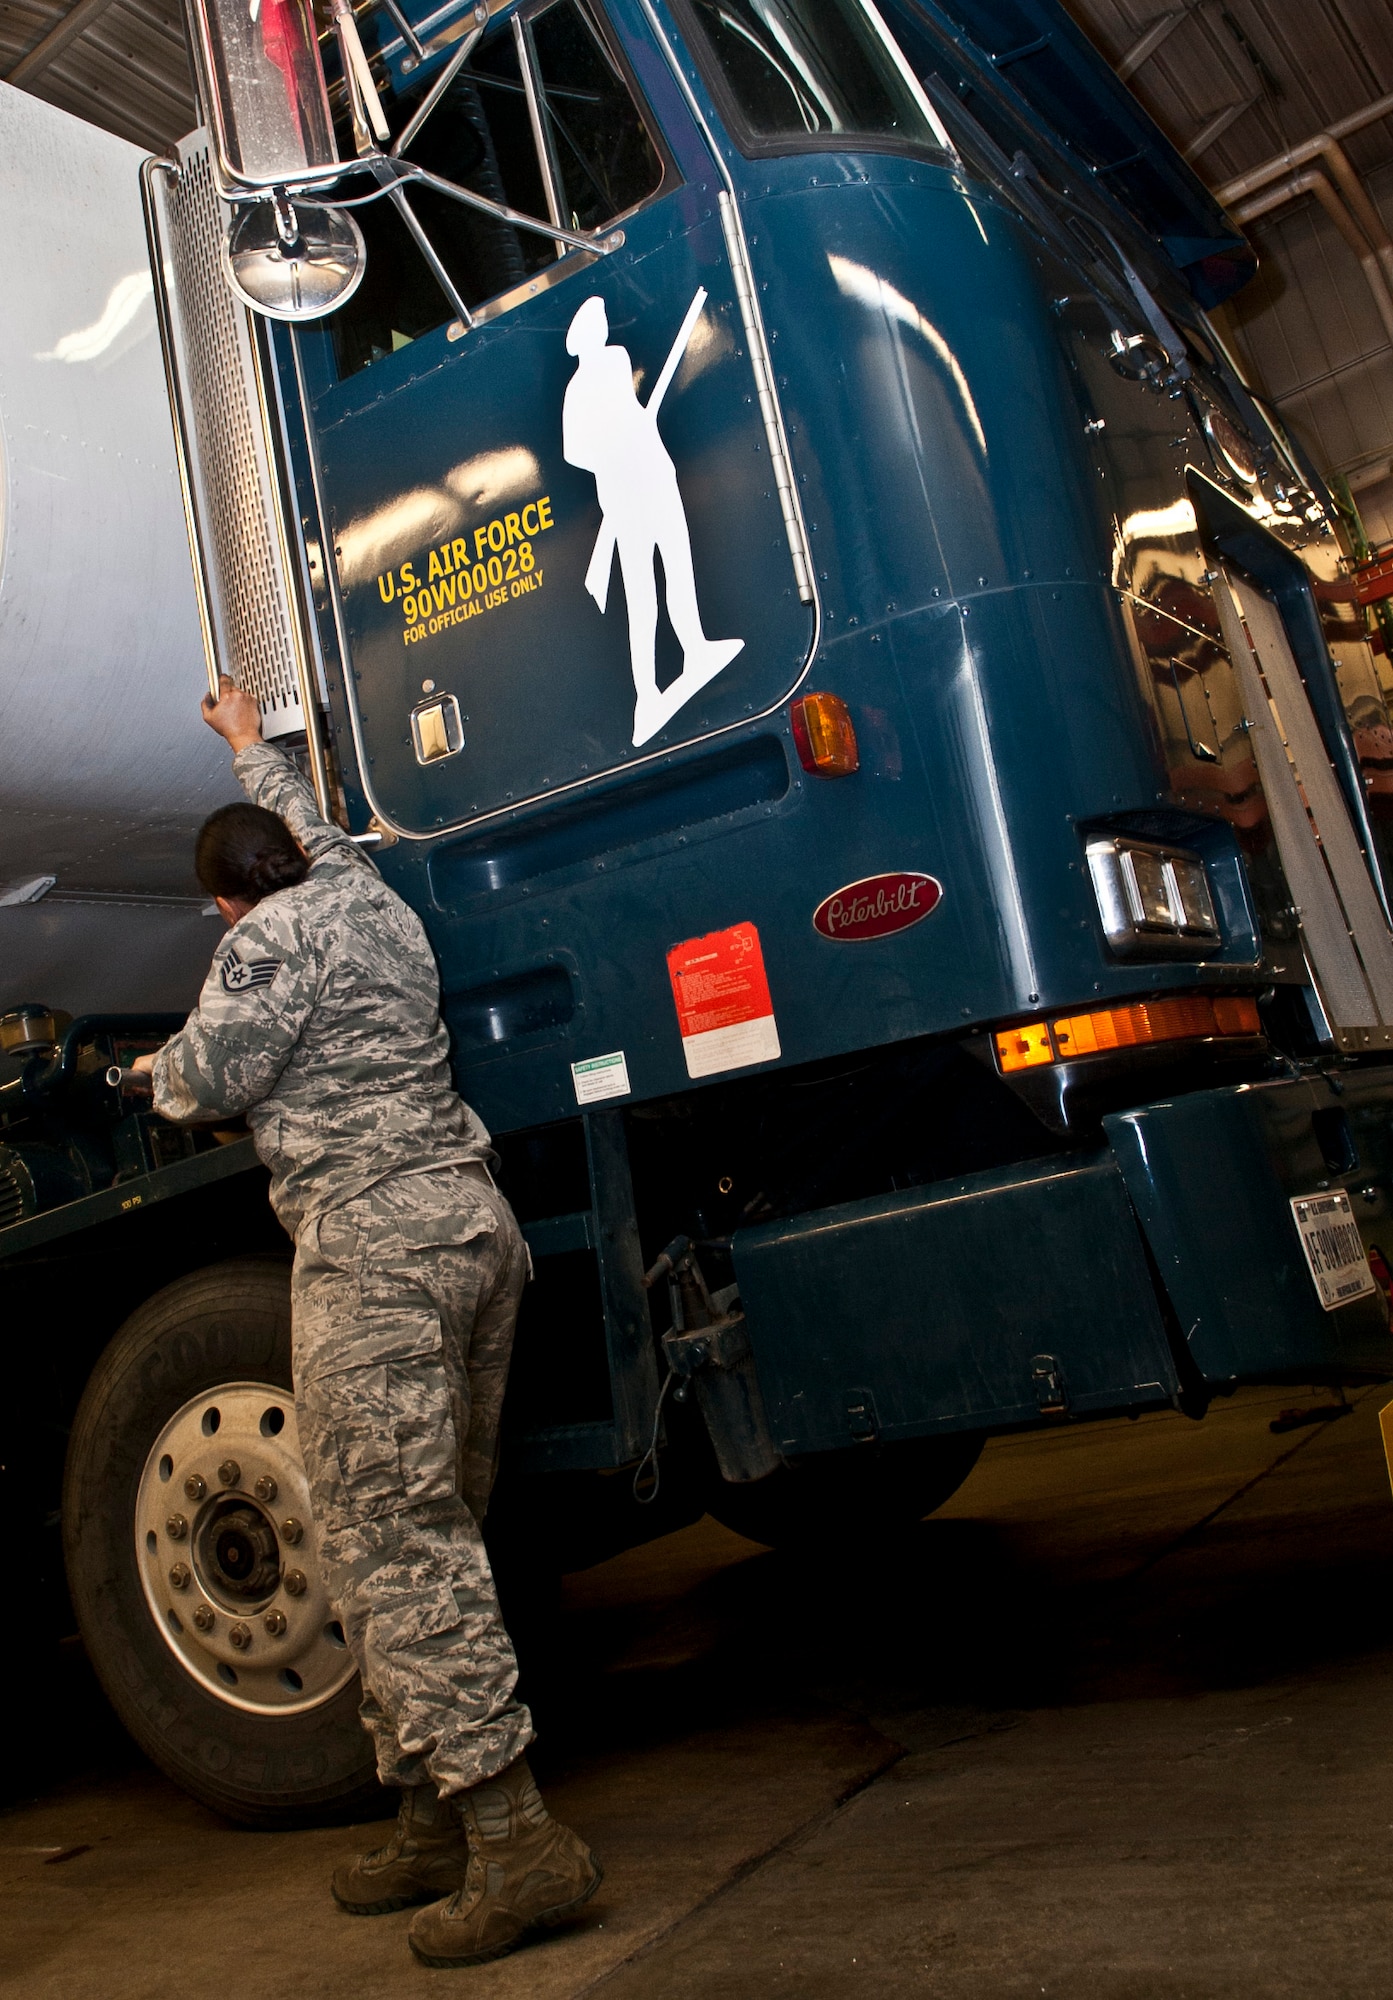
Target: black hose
{"x": 43, "y": 1083}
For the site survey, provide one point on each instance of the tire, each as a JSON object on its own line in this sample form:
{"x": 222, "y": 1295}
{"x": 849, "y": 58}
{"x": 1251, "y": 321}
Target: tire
{"x": 201, "y": 1606}
{"x": 855, "y": 1495}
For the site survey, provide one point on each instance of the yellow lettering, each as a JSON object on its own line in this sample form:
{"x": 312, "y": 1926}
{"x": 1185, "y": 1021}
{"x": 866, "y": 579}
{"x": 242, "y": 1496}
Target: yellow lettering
{"x": 544, "y": 510}
{"x": 408, "y": 577}
{"x": 436, "y": 568}
{"x": 528, "y": 527}
{"x": 481, "y": 535}
{"x": 513, "y": 526}
{"x": 460, "y": 550}
{"x": 387, "y": 587}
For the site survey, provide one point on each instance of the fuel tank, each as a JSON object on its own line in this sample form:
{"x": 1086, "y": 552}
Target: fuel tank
{"x": 106, "y": 768}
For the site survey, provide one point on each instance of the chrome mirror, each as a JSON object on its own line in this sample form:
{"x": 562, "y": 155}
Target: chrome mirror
{"x": 293, "y": 260}
{"x": 262, "y": 83}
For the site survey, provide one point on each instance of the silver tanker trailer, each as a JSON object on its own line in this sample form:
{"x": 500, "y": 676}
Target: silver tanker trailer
{"x": 105, "y": 768}
{"x": 106, "y": 771}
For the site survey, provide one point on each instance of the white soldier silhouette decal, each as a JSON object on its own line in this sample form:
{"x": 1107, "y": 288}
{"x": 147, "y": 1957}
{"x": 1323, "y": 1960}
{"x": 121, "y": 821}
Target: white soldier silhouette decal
{"x": 606, "y": 430}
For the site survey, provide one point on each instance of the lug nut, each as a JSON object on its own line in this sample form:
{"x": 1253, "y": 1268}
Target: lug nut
{"x": 203, "y": 1617}
{"x": 176, "y": 1527}
{"x": 230, "y": 1472}
{"x": 195, "y": 1486}
{"x": 265, "y": 1487}
{"x": 274, "y": 1621}
{"x": 295, "y": 1582}
{"x": 241, "y": 1637}
{"x": 180, "y": 1576}
{"x": 291, "y": 1530}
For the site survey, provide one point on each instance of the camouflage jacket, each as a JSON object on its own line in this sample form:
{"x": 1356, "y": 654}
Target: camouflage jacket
{"x": 320, "y": 1019}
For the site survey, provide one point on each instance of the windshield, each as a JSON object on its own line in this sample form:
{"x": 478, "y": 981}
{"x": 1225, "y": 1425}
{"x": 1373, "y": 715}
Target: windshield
{"x": 799, "y": 74}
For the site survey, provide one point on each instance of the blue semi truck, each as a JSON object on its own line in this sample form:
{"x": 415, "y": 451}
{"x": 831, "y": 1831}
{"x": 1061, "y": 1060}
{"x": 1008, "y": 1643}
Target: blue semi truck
{"x": 739, "y": 506}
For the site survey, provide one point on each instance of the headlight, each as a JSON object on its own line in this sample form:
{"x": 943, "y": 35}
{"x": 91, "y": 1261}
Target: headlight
{"x": 1152, "y": 900}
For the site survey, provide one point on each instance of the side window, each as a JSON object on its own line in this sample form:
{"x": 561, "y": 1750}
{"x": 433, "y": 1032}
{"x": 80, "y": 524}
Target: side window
{"x": 602, "y": 157}
{"x": 596, "y": 160}
{"x": 794, "y": 75}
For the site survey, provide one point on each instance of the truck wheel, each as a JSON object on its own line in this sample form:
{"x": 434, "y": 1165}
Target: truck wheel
{"x": 853, "y": 1495}
{"x": 191, "y": 1557}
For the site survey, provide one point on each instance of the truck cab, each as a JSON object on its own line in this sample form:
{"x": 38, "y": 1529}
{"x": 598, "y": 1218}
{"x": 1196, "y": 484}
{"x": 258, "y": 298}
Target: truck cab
{"x": 817, "y": 626}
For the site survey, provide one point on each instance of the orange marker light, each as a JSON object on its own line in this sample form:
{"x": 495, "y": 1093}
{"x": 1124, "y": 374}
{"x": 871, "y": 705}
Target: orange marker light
{"x": 1024, "y": 1048}
{"x": 823, "y": 735}
{"x": 1183, "y": 1018}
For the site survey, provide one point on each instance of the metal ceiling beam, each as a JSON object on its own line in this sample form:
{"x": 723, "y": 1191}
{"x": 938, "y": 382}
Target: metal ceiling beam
{"x": 1312, "y": 181}
{"x": 1217, "y": 126}
{"x": 75, "y": 22}
{"x": 1151, "y": 40}
{"x": 1299, "y": 156}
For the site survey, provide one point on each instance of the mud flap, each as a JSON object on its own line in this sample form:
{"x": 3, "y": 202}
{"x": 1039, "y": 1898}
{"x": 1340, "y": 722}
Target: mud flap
{"x": 1212, "y": 1176}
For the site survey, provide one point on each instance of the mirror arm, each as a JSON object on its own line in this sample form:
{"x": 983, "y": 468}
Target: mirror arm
{"x": 392, "y": 175}
{"x": 396, "y": 194}
{"x": 370, "y": 128}
{"x": 406, "y": 31}
{"x": 287, "y": 222}
{"x": 597, "y": 246}
{"x": 437, "y": 91}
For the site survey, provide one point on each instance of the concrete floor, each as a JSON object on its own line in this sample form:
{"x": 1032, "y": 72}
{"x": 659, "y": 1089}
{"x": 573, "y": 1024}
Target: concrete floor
{"x": 1117, "y": 1722}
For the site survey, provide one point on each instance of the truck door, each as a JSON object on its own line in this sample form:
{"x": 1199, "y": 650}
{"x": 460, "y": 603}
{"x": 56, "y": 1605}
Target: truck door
{"x": 563, "y": 534}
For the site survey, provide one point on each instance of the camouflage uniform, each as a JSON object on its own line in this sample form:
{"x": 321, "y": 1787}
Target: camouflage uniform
{"x": 320, "y": 1020}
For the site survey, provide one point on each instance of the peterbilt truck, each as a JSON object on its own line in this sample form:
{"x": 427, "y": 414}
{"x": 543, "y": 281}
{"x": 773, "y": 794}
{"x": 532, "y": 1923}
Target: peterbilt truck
{"x": 742, "y": 508}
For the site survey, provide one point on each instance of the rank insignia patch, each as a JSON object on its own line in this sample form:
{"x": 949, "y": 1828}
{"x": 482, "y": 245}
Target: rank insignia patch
{"x": 239, "y": 974}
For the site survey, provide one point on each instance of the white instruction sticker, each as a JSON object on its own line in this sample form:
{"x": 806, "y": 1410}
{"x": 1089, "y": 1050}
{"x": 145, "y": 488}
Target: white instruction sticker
{"x": 599, "y": 1077}
{"x": 1330, "y": 1237}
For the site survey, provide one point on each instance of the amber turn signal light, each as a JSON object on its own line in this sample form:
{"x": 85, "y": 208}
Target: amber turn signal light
{"x": 823, "y": 735}
{"x": 1170, "y": 1020}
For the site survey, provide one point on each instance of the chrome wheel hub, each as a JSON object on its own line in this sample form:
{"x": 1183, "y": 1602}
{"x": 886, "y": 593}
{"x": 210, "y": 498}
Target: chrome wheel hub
{"x": 226, "y": 1550}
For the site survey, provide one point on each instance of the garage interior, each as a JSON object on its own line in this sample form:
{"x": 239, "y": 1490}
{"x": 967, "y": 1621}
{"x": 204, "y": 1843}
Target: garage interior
{"x": 1116, "y": 1720}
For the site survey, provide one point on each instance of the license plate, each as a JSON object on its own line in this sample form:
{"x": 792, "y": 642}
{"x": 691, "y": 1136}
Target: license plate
{"x": 1330, "y": 1237}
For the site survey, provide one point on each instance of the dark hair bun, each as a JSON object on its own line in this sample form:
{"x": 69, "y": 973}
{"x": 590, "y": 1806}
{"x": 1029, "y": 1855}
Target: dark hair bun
{"x": 269, "y": 872}
{"x": 244, "y": 853}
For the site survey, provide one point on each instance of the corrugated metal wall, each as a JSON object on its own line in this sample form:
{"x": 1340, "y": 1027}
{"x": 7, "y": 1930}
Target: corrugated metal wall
{"x": 1308, "y": 331}
{"x": 128, "y": 71}
{"x": 1234, "y": 83}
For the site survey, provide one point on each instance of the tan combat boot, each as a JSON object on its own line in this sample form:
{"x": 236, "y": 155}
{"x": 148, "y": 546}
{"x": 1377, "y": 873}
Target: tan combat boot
{"x": 527, "y": 1872}
{"x": 426, "y": 1857}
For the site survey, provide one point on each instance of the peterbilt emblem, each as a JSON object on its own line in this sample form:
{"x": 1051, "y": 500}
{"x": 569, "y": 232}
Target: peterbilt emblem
{"x": 876, "y": 906}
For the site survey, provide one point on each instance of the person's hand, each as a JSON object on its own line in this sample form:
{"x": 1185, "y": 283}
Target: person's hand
{"x": 147, "y": 1063}
{"x": 234, "y": 715}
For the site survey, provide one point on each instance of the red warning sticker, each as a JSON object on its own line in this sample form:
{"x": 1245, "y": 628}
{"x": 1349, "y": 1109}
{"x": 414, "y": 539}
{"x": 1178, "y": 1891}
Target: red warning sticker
{"x": 724, "y": 1011}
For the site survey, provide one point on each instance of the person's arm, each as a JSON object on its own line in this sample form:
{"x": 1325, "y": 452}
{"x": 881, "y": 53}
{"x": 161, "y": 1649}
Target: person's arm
{"x": 254, "y": 1004}
{"x": 269, "y": 779}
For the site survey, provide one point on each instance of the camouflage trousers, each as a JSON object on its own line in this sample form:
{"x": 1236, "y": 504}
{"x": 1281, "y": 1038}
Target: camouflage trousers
{"x": 404, "y": 1305}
